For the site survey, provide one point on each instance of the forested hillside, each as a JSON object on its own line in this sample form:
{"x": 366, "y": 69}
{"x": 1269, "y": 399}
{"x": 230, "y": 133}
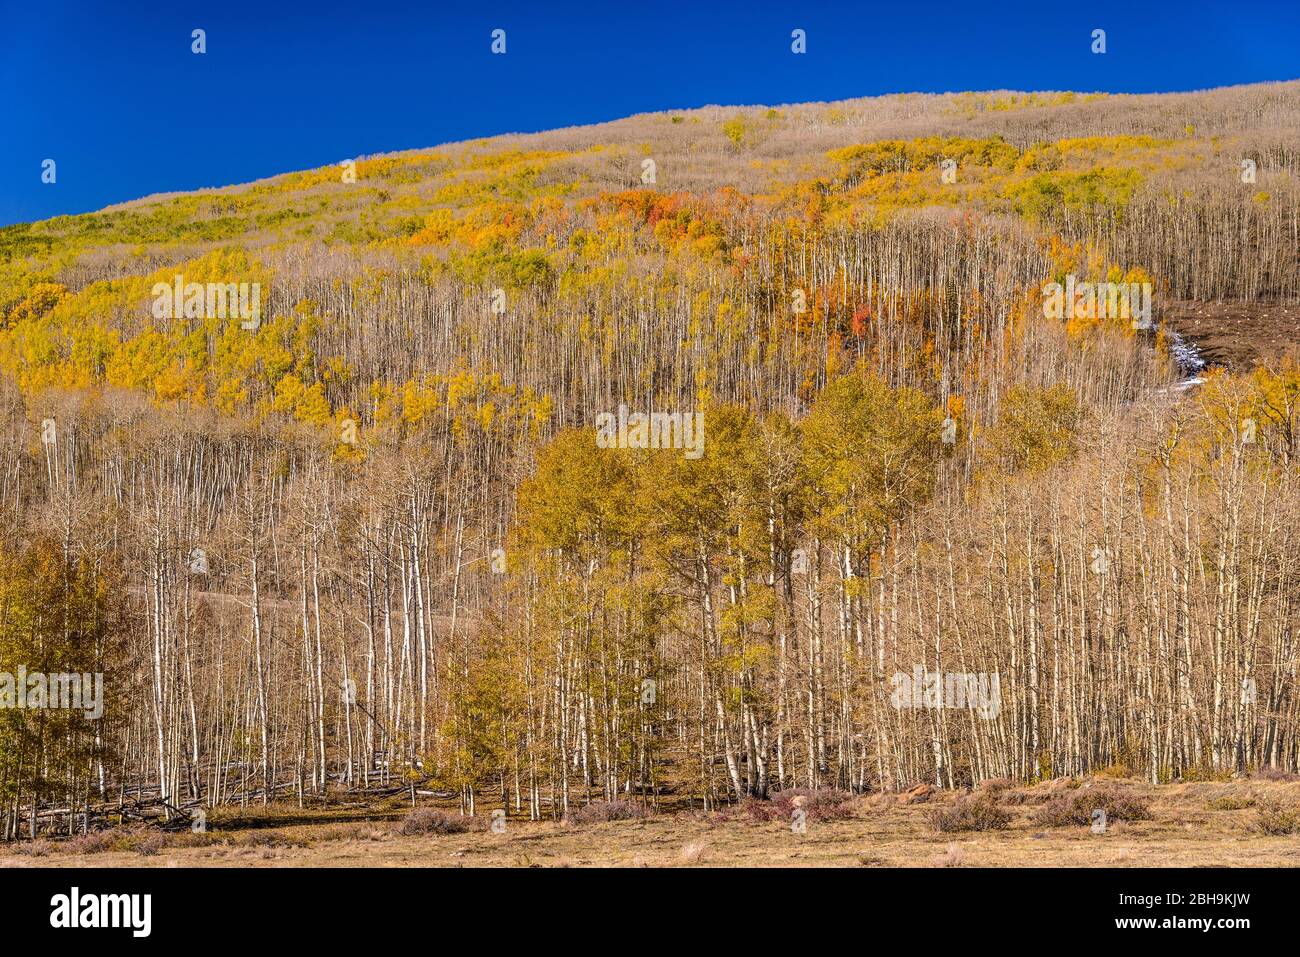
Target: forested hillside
{"x": 367, "y": 534}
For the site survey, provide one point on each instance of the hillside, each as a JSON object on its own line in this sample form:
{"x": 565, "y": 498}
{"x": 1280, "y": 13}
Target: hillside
{"x": 321, "y": 472}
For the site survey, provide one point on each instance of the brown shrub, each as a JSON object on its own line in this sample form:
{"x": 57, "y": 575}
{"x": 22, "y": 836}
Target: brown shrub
{"x": 140, "y": 838}
{"x": 1198, "y": 773}
{"x": 1119, "y": 770}
{"x": 1077, "y": 807}
{"x": 267, "y": 838}
{"x": 598, "y": 812}
{"x": 1274, "y": 774}
{"x": 1275, "y": 819}
{"x": 1042, "y": 792}
{"x": 428, "y": 820}
{"x": 37, "y": 848}
{"x": 95, "y": 842}
{"x": 353, "y": 832}
{"x": 151, "y": 844}
{"x": 1230, "y": 802}
{"x": 970, "y": 813}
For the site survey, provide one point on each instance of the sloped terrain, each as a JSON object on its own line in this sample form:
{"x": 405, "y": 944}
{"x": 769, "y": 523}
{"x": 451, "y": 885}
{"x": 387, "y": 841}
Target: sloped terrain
{"x": 320, "y": 472}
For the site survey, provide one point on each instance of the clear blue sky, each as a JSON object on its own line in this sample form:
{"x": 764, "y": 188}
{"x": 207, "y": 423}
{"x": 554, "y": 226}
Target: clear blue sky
{"x": 117, "y": 99}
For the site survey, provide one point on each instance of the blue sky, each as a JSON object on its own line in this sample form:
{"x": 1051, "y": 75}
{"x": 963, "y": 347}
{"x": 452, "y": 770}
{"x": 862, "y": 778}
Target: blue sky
{"x": 119, "y": 101}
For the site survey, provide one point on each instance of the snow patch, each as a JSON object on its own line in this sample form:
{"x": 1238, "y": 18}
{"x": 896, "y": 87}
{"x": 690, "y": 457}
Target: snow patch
{"x": 1186, "y": 355}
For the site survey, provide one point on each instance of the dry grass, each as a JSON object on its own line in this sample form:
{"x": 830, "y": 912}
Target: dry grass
{"x": 1190, "y": 825}
{"x": 953, "y": 857}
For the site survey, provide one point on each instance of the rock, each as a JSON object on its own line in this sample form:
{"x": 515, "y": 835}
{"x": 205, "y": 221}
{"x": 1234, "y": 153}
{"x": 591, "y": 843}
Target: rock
{"x": 916, "y": 795}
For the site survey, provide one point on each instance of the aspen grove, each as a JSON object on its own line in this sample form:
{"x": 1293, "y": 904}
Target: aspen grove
{"x": 372, "y": 540}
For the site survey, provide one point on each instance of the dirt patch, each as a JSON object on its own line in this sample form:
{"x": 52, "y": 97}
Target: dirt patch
{"x": 1237, "y": 335}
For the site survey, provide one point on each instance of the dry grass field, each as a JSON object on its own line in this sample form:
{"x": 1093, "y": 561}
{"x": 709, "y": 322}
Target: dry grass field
{"x": 1204, "y": 824}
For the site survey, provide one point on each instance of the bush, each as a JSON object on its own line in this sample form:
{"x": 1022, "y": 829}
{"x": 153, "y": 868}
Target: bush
{"x": 1274, "y": 774}
{"x": 1077, "y": 808}
{"x": 140, "y": 838}
{"x": 266, "y": 838}
{"x": 1200, "y": 773}
{"x": 1231, "y": 803}
{"x": 37, "y": 848}
{"x": 151, "y": 844}
{"x": 94, "y": 842}
{"x": 820, "y": 804}
{"x": 1119, "y": 770}
{"x": 1276, "y": 820}
{"x": 971, "y": 813}
{"x": 353, "y": 832}
{"x": 598, "y": 812}
{"x": 427, "y": 820}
